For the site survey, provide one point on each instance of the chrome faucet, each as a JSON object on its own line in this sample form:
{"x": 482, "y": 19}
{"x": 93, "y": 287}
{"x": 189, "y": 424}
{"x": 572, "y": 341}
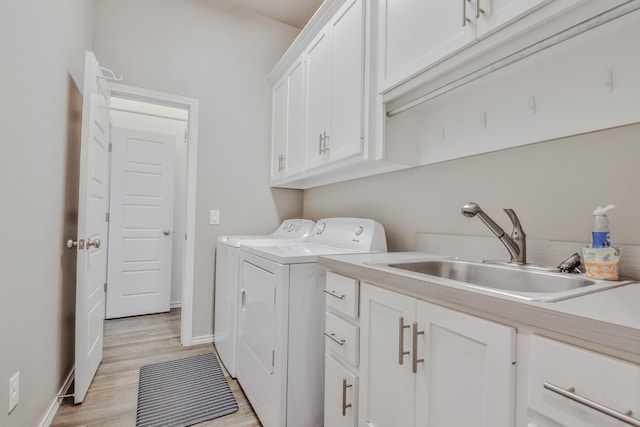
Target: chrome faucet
{"x": 516, "y": 244}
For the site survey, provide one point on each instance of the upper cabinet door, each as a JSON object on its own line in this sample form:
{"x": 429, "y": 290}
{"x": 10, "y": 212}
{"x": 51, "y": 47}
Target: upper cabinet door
{"x": 412, "y": 34}
{"x": 295, "y": 120}
{"x": 493, "y": 14}
{"x": 288, "y": 123}
{"x": 279, "y": 130}
{"x": 318, "y": 98}
{"x": 347, "y": 89}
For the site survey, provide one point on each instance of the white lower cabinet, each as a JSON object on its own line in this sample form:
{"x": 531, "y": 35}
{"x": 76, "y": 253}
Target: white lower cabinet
{"x": 570, "y": 386}
{"x": 342, "y": 347}
{"x": 425, "y": 365}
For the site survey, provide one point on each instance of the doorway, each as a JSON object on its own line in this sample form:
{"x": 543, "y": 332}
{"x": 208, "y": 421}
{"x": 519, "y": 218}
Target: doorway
{"x": 142, "y": 110}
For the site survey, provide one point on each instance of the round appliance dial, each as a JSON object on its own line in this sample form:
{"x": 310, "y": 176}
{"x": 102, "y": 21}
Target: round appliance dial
{"x": 320, "y": 227}
{"x": 359, "y": 230}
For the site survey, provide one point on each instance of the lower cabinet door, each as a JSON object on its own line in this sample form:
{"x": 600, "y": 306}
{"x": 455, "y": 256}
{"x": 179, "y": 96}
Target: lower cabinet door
{"x": 340, "y": 395}
{"x": 465, "y": 370}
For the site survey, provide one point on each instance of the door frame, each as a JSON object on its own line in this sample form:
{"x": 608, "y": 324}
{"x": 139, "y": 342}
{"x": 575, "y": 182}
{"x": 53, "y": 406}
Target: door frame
{"x": 192, "y": 105}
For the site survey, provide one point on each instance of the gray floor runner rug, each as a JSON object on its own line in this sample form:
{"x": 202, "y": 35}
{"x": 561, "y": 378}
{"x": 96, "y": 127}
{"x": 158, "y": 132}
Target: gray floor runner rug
{"x": 183, "y": 392}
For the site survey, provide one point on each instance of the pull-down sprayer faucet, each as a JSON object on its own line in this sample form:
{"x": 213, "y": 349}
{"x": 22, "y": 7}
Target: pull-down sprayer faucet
{"x": 516, "y": 244}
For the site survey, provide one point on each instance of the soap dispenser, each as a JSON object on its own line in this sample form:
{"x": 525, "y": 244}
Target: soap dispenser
{"x": 600, "y": 237}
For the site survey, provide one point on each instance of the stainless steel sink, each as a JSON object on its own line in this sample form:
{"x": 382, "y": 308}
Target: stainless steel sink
{"x": 518, "y": 281}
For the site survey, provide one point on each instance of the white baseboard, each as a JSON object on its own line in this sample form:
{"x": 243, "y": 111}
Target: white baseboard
{"x": 53, "y": 408}
{"x": 176, "y": 304}
{"x": 205, "y": 339}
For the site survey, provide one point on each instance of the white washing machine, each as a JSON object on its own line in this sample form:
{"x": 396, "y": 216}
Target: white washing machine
{"x": 281, "y": 320}
{"x": 225, "y": 326}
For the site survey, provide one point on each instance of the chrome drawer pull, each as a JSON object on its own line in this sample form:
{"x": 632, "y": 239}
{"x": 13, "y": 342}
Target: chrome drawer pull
{"x": 569, "y": 394}
{"x": 333, "y": 294}
{"x": 345, "y": 405}
{"x": 333, "y": 338}
{"x": 401, "y": 352}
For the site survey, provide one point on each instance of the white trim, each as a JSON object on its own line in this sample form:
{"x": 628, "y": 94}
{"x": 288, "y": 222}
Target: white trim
{"x": 55, "y": 405}
{"x": 205, "y": 339}
{"x": 186, "y": 317}
{"x": 175, "y": 304}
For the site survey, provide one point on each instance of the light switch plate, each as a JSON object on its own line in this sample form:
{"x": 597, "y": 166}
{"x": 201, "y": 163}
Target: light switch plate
{"x": 214, "y": 217}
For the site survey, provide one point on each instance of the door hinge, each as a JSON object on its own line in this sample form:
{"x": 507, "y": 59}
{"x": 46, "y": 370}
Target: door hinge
{"x": 274, "y": 295}
{"x": 110, "y": 147}
{"x": 105, "y": 287}
{"x": 185, "y": 236}
{"x": 186, "y": 136}
{"x": 273, "y": 358}
{"x": 106, "y": 216}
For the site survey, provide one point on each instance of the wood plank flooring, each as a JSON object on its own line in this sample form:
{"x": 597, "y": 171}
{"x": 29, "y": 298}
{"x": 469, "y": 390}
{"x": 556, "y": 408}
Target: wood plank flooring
{"x": 129, "y": 344}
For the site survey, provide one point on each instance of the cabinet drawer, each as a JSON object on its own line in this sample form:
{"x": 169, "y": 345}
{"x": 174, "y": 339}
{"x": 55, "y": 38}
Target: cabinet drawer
{"x": 340, "y": 395}
{"x": 342, "y": 294}
{"x": 342, "y": 338}
{"x": 600, "y": 379}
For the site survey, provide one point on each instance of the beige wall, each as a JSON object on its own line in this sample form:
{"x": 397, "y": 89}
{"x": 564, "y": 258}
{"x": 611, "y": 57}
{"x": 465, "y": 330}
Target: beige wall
{"x": 553, "y": 186}
{"x": 42, "y": 43}
{"x": 221, "y": 57}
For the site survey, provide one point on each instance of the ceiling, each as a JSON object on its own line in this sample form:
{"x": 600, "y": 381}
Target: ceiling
{"x": 291, "y": 12}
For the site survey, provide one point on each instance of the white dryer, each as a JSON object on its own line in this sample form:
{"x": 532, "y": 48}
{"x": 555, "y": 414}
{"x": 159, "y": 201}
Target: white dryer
{"x": 225, "y": 326}
{"x": 281, "y": 320}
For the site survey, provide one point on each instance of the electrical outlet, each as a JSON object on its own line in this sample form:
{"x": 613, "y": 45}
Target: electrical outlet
{"x": 14, "y": 391}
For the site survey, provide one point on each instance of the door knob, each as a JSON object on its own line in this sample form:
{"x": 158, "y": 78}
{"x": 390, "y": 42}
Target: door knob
{"x": 167, "y": 232}
{"x": 95, "y": 243}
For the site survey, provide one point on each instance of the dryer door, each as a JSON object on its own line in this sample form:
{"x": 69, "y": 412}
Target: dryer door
{"x": 262, "y": 339}
{"x": 258, "y": 313}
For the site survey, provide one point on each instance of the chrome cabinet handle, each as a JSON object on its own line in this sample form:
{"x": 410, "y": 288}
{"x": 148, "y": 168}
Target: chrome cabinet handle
{"x": 345, "y": 405}
{"x": 333, "y": 338}
{"x": 401, "y": 352}
{"x": 465, "y": 20}
{"x": 333, "y": 294}
{"x": 479, "y": 10}
{"x": 243, "y": 299}
{"x": 415, "y": 360}
{"x": 95, "y": 243}
{"x": 325, "y": 137}
{"x": 320, "y": 142}
{"x": 569, "y": 394}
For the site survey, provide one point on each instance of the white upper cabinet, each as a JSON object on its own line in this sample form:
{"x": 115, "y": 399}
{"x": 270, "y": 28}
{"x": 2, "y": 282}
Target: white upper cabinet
{"x": 335, "y": 78}
{"x": 288, "y": 123}
{"x": 318, "y": 99}
{"x": 414, "y": 34}
{"x": 279, "y": 128}
{"x": 347, "y": 89}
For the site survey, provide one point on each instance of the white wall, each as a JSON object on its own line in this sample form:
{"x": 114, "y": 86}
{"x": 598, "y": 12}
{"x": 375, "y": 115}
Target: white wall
{"x": 41, "y": 42}
{"x": 553, "y": 187}
{"x": 177, "y": 129}
{"x": 221, "y": 57}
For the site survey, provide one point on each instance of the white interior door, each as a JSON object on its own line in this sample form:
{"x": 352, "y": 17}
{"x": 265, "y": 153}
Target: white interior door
{"x": 141, "y": 222}
{"x": 92, "y": 227}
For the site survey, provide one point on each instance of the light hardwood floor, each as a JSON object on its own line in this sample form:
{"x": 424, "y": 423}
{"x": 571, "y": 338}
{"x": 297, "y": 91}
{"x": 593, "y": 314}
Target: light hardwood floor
{"x": 129, "y": 344}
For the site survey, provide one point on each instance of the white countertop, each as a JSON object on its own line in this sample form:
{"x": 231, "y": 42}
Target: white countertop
{"x": 609, "y": 317}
